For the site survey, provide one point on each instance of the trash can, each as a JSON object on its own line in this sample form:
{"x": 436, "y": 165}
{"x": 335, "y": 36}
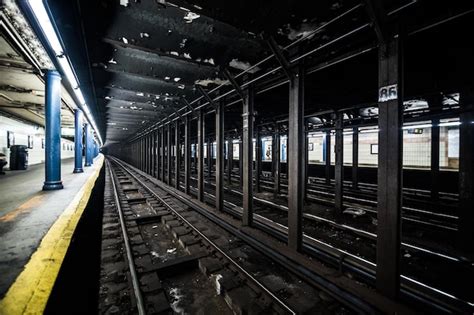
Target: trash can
{"x": 18, "y": 157}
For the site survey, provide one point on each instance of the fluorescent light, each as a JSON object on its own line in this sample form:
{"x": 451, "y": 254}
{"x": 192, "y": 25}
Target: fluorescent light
{"x": 80, "y": 97}
{"x": 39, "y": 10}
{"x": 417, "y": 126}
{"x": 369, "y": 130}
{"x": 41, "y": 15}
{"x": 450, "y": 123}
{"x": 67, "y": 71}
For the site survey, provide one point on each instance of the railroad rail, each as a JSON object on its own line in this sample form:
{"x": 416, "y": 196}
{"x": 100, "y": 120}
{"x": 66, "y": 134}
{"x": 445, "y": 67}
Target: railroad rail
{"x": 166, "y": 200}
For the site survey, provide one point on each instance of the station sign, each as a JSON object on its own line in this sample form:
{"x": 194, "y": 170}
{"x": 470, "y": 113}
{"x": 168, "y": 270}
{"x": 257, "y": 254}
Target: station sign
{"x": 388, "y": 93}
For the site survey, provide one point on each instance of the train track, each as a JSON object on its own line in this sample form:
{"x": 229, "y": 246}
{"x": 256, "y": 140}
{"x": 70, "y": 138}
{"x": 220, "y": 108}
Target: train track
{"x": 413, "y": 279}
{"x": 140, "y": 204}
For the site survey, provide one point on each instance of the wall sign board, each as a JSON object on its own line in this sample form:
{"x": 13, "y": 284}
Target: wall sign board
{"x": 388, "y": 93}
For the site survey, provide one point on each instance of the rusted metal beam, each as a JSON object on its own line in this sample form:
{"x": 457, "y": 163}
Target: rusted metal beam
{"x": 466, "y": 173}
{"x": 258, "y": 159}
{"x": 187, "y": 153}
{"x": 284, "y": 63}
{"x": 200, "y": 155}
{"x": 295, "y": 160}
{"x": 339, "y": 164}
{"x": 177, "y": 155}
{"x": 327, "y": 157}
{"x": 355, "y": 157}
{"x": 247, "y": 155}
{"x": 276, "y": 146}
{"x": 232, "y": 81}
{"x": 220, "y": 156}
{"x": 390, "y": 159}
{"x": 168, "y": 154}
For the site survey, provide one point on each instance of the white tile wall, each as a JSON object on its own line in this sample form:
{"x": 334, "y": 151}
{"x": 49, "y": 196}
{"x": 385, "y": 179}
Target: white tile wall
{"x": 21, "y": 131}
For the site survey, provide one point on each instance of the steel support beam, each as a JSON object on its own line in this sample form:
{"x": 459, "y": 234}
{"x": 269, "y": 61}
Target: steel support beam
{"x": 209, "y": 158}
{"x": 230, "y": 160}
{"x": 220, "y": 156}
{"x": 177, "y": 155}
{"x": 339, "y": 165}
{"x": 241, "y": 164}
{"x": 78, "y": 135}
{"x": 295, "y": 160}
{"x": 53, "y": 131}
{"x": 162, "y": 155}
{"x": 328, "y": 156}
{"x": 258, "y": 159}
{"x": 305, "y": 163}
{"x": 147, "y": 154}
{"x": 466, "y": 173}
{"x": 88, "y": 141}
{"x": 276, "y": 147}
{"x": 247, "y": 155}
{"x": 157, "y": 157}
{"x": 435, "y": 159}
{"x": 187, "y": 153}
{"x": 390, "y": 160}
{"x": 150, "y": 154}
{"x": 168, "y": 154}
{"x": 355, "y": 157}
{"x": 200, "y": 155}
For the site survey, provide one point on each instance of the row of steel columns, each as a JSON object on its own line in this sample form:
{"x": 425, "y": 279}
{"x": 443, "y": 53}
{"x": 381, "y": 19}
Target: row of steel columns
{"x": 389, "y": 163}
{"x": 53, "y": 135}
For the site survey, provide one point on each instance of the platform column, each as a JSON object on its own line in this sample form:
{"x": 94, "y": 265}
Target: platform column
{"x": 258, "y": 159}
{"x": 247, "y": 155}
{"x": 78, "y": 135}
{"x": 390, "y": 157}
{"x": 466, "y": 172}
{"x": 276, "y": 147}
{"x": 187, "y": 154}
{"x": 327, "y": 156}
{"x": 355, "y": 157}
{"x": 177, "y": 155}
{"x": 53, "y": 131}
{"x": 220, "y": 156}
{"x": 200, "y": 156}
{"x": 339, "y": 165}
{"x": 230, "y": 160}
{"x": 168, "y": 154}
{"x": 295, "y": 160}
{"x": 88, "y": 145}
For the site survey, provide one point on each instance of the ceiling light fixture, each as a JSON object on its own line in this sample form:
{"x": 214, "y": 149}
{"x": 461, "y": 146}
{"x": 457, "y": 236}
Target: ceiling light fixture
{"x": 40, "y": 13}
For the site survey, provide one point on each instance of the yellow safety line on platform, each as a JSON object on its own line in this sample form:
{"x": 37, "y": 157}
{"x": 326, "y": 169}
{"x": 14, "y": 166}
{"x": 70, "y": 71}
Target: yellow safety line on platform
{"x": 31, "y": 289}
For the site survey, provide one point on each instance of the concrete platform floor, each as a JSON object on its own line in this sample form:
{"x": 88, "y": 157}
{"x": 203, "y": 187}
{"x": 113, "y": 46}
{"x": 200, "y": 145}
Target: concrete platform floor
{"x": 27, "y": 213}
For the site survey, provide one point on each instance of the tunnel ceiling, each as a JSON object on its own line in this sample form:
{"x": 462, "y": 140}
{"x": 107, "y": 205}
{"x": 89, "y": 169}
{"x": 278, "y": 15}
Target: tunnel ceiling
{"x": 145, "y": 58}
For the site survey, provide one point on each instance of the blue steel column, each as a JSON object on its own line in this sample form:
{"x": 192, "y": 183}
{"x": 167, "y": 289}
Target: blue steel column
{"x": 88, "y": 145}
{"x": 78, "y": 142}
{"x": 53, "y": 131}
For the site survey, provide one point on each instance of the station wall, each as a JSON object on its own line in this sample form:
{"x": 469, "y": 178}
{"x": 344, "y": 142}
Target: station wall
{"x": 14, "y": 132}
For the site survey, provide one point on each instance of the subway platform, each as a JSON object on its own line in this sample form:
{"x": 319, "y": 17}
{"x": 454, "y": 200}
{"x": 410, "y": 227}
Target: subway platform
{"x": 36, "y": 228}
